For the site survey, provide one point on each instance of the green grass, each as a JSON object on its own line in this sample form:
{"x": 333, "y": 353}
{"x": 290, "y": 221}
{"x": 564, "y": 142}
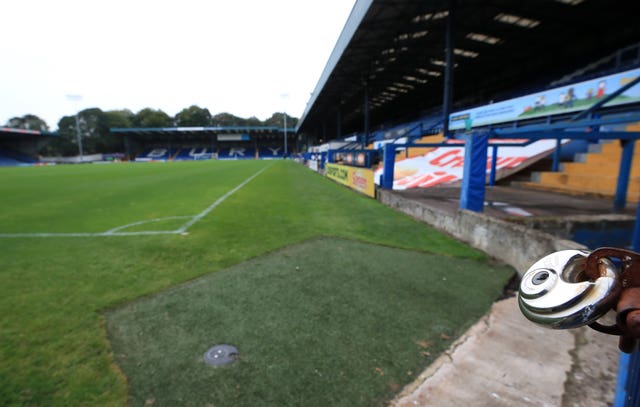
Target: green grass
{"x": 54, "y": 291}
{"x": 100, "y": 197}
{"x": 329, "y": 322}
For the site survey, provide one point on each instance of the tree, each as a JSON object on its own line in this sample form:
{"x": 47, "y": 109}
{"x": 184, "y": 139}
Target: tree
{"x": 119, "y": 118}
{"x": 227, "y": 119}
{"x": 115, "y": 119}
{"x": 28, "y": 122}
{"x": 94, "y": 125}
{"x": 92, "y": 130}
{"x": 253, "y": 121}
{"x": 277, "y": 119}
{"x": 65, "y": 144}
{"x": 193, "y": 116}
{"x": 91, "y": 126}
{"x": 152, "y": 118}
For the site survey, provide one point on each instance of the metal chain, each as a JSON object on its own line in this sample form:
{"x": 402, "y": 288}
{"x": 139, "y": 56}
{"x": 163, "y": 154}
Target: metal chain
{"x": 628, "y": 304}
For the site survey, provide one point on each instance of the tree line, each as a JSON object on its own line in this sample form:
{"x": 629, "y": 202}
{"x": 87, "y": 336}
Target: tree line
{"x": 94, "y": 125}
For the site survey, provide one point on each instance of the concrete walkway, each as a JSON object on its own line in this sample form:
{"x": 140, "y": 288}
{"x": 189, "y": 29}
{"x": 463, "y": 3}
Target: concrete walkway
{"x": 506, "y": 202}
{"x": 504, "y": 360}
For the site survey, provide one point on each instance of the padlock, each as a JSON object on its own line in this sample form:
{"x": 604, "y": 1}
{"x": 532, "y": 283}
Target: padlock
{"x": 556, "y": 292}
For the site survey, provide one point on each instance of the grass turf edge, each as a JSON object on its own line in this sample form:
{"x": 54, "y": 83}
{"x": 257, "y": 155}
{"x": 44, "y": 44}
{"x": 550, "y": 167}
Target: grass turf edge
{"x": 382, "y": 380}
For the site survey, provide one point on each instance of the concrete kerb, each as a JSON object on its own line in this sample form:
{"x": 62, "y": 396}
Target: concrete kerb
{"x": 517, "y": 245}
{"x": 487, "y": 367}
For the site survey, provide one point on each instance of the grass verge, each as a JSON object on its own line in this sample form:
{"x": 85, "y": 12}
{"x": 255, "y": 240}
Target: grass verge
{"x": 329, "y": 322}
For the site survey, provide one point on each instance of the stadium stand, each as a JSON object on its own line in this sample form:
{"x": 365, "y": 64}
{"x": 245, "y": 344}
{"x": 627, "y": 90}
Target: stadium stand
{"x": 594, "y": 173}
{"x": 269, "y": 153}
{"x": 156, "y": 154}
{"x": 6, "y": 161}
{"x": 237, "y": 153}
{"x": 12, "y": 158}
{"x": 203, "y": 143}
{"x": 391, "y": 64}
{"x": 194, "y": 153}
{"x": 526, "y": 109}
{"x": 20, "y": 147}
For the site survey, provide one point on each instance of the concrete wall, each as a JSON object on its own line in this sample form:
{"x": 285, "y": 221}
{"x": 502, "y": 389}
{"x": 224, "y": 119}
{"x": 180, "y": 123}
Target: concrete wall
{"x": 567, "y": 225}
{"x": 516, "y": 245}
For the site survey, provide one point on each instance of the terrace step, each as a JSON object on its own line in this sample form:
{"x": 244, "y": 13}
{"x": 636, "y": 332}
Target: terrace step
{"x": 418, "y": 151}
{"x": 592, "y": 173}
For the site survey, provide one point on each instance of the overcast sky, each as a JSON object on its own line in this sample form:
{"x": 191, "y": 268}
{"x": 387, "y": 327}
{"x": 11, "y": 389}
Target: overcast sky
{"x": 245, "y": 57}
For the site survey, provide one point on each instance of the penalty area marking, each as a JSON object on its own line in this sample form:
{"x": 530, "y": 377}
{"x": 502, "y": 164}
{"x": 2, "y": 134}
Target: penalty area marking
{"x": 211, "y": 207}
{"x": 142, "y": 222}
{"x": 118, "y": 231}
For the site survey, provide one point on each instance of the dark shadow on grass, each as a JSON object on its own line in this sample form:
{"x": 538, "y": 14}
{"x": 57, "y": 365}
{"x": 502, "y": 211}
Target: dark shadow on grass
{"x": 325, "y": 322}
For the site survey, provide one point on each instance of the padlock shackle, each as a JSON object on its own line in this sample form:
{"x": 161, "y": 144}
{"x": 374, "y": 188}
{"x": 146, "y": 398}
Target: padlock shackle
{"x": 630, "y": 275}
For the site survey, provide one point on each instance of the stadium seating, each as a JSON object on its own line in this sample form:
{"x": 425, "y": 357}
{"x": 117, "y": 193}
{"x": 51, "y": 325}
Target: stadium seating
{"x": 417, "y": 151}
{"x": 593, "y": 173}
{"x": 194, "y": 153}
{"x": 11, "y": 159}
{"x": 8, "y": 162}
{"x": 204, "y": 153}
{"x": 156, "y": 154}
{"x": 237, "y": 153}
{"x": 268, "y": 153}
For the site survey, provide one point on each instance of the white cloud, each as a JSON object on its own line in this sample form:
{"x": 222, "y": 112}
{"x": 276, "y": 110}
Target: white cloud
{"x": 236, "y": 56}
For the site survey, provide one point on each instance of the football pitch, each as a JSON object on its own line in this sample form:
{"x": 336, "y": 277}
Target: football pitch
{"x": 115, "y": 279}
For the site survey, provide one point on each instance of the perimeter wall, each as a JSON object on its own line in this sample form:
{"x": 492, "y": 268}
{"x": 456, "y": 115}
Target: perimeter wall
{"x": 516, "y": 245}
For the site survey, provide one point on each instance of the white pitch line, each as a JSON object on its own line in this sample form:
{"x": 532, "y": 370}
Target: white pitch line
{"x": 115, "y": 231}
{"x": 218, "y": 202}
{"x": 142, "y": 222}
{"x": 8, "y": 235}
{"x": 89, "y": 234}
{"x": 143, "y": 233}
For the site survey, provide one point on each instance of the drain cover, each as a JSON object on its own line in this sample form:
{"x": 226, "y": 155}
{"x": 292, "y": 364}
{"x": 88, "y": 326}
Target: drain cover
{"x": 221, "y": 355}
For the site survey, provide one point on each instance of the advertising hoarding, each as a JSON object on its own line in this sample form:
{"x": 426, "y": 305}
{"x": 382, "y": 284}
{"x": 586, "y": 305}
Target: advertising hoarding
{"x": 360, "y": 179}
{"x": 565, "y": 99}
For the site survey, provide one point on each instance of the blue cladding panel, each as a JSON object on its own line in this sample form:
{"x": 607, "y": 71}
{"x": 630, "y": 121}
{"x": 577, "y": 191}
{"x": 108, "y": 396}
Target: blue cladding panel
{"x": 475, "y": 172}
{"x": 389, "y": 164}
{"x": 628, "y": 386}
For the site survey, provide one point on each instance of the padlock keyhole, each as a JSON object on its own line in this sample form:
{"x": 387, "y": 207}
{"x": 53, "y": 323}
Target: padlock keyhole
{"x": 540, "y": 277}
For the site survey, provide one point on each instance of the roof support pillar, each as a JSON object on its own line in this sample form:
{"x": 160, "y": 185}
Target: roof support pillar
{"x": 448, "y": 70}
{"x": 338, "y": 124}
{"x": 494, "y": 165}
{"x": 365, "y": 137}
{"x": 324, "y": 131}
{"x": 624, "y": 174}
{"x": 556, "y": 156}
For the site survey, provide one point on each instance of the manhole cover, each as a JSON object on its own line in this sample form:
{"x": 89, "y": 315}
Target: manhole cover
{"x": 221, "y": 355}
